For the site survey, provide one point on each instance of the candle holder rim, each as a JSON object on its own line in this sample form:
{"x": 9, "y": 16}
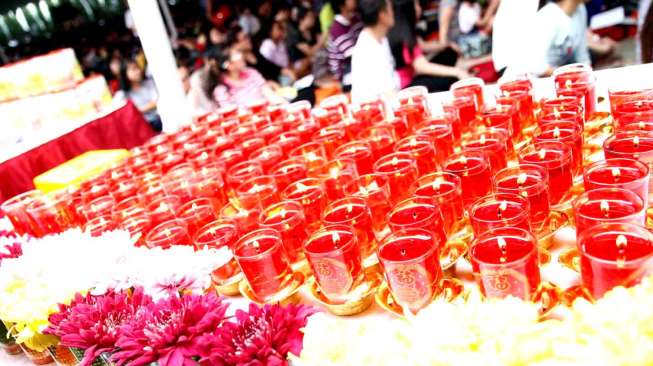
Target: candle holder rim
{"x": 492, "y": 233}
{"x": 585, "y": 197}
{"x": 588, "y": 169}
{"x": 629, "y": 230}
{"x": 253, "y": 234}
{"x": 324, "y": 231}
{"x": 494, "y": 196}
{"x": 407, "y": 233}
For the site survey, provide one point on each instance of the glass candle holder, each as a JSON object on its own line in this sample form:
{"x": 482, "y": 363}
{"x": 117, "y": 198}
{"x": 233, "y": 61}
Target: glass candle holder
{"x": 629, "y": 174}
{"x": 167, "y": 234}
{"x": 470, "y": 87}
{"x": 563, "y": 107}
{"x": 401, "y": 171}
{"x": 619, "y": 96}
{"x": 354, "y": 212}
{"x": 360, "y": 152}
{"x": 528, "y": 181}
{"x": 300, "y": 108}
{"x": 441, "y": 133}
{"x": 501, "y": 117}
{"x": 287, "y": 141}
{"x": 242, "y": 172}
{"x": 418, "y": 213}
{"x": 219, "y": 143}
{"x": 608, "y": 205}
{"x": 493, "y": 145}
{"x": 287, "y": 218}
{"x": 252, "y": 144}
{"x": 289, "y": 171}
{"x": 413, "y": 106}
{"x": 245, "y": 219}
{"x": 368, "y": 113}
{"x": 16, "y": 210}
{"x": 505, "y": 263}
{"x": 310, "y": 194}
{"x": 335, "y": 175}
{"x": 48, "y": 216}
{"x": 465, "y": 105}
{"x": 137, "y": 227}
{"x": 411, "y": 265}
{"x": 555, "y": 158}
{"x": 579, "y": 80}
{"x": 473, "y": 169}
{"x": 445, "y": 188}
{"x": 257, "y": 192}
{"x": 373, "y": 188}
{"x": 100, "y": 206}
{"x": 423, "y": 151}
{"x": 169, "y": 160}
{"x": 263, "y": 261}
{"x": 629, "y": 113}
{"x": 129, "y": 207}
{"x": 568, "y": 133}
{"x": 520, "y": 89}
{"x": 499, "y": 210}
{"x": 270, "y": 131}
{"x": 124, "y": 189}
{"x": 197, "y": 213}
{"x": 614, "y": 255}
{"x": 215, "y": 235}
{"x": 267, "y": 156}
{"x": 522, "y": 102}
{"x": 325, "y": 117}
{"x": 335, "y": 259}
{"x": 331, "y": 138}
{"x": 306, "y": 129}
{"x": 207, "y": 182}
{"x": 100, "y": 224}
{"x": 313, "y": 153}
{"x": 381, "y": 138}
{"x": 164, "y": 209}
{"x": 94, "y": 190}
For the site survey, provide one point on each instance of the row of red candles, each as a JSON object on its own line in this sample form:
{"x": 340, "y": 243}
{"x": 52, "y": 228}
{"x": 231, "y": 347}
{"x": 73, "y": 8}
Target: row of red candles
{"x": 278, "y": 183}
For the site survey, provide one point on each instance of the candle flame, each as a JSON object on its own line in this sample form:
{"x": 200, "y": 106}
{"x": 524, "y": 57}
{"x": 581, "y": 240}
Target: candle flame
{"x": 256, "y": 245}
{"x": 162, "y": 207}
{"x": 193, "y": 206}
{"x": 502, "y": 207}
{"x": 482, "y": 139}
{"x": 463, "y": 160}
{"x": 374, "y": 186}
{"x": 642, "y": 125}
{"x": 413, "y": 142}
{"x": 265, "y": 154}
{"x": 283, "y": 212}
{"x": 311, "y": 156}
{"x": 283, "y": 138}
{"x": 363, "y": 190}
{"x": 568, "y": 84}
{"x": 605, "y": 208}
{"x": 394, "y": 161}
{"x": 621, "y": 242}
{"x": 556, "y": 112}
{"x": 541, "y": 154}
{"x": 256, "y": 188}
{"x": 616, "y": 172}
{"x": 521, "y": 179}
{"x": 350, "y": 208}
{"x": 437, "y": 183}
{"x": 556, "y": 132}
{"x": 334, "y": 172}
{"x": 166, "y": 232}
{"x": 301, "y": 187}
{"x": 636, "y": 141}
{"x": 335, "y": 237}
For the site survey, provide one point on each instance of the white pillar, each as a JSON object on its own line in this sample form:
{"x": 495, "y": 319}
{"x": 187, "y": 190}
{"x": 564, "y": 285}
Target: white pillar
{"x": 172, "y": 104}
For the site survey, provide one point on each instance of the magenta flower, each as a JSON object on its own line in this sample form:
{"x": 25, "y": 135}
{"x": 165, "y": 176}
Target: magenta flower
{"x": 10, "y": 251}
{"x": 261, "y": 337}
{"x": 92, "y": 323}
{"x": 169, "y": 331}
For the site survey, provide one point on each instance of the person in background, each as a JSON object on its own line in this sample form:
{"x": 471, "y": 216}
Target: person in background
{"x": 372, "y": 65}
{"x": 115, "y": 68}
{"x": 302, "y": 41}
{"x": 342, "y": 38}
{"x": 274, "y": 48}
{"x": 509, "y": 33}
{"x": 239, "y": 84}
{"x": 142, "y": 92}
{"x": 249, "y": 22}
{"x": 202, "y": 83}
{"x": 645, "y": 31}
{"x": 238, "y": 39}
{"x": 557, "y": 36}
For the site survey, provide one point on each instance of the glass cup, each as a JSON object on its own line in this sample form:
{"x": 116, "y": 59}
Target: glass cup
{"x": 499, "y": 210}
{"x": 608, "y": 205}
{"x": 528, "y": 181}
{"x": 629, "y": 174}
{"x": 287, "y": 218}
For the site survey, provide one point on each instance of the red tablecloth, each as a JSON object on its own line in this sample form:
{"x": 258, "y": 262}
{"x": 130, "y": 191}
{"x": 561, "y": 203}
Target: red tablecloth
{"x": 123, "y": 128}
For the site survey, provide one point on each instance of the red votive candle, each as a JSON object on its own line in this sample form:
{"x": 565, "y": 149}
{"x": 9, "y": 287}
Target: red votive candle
{"x": 264, "y": 263}
{"x": 196, "y": 214}
{"x": 314, "y": 155}
{"x": 445, "y": 188}
{"x": 470, "y": 87}
{"x": 310, "y": 194}
{"x": 287, "y": 217}
{"x": 125, "y": 189}
{"x": 500, "y": 117}
{"x": 287, "y": 141}
{"x": 414, "y": 95}
{"x": 167, "y": 234}
{"x": 418, "y": 213}
{"x": 258, "y": 192}
{"x": 369, "y": 113}
{"x": 499, "y": 210}
{"x": 473, "y": 169}
{"x": 331, "y": 138}
{"x": 557, "y": 107}
{"x": 522, "y": 101}
{"x": 555, "y": 158}
{"x": 629, "y": 174}
{"x": 578, "y": 80}
{"x": 413, "y": 112}
{"x": 568, "y": 133}
{"x": 633, "y": 112}
{"x": 230, "y": 157}
{"x": 207, "y": 182}
{"x": 289, "y": 171}
{"x": 401, "y": 171}
{"x": 250, "y": 145}
{"x": 411, "y": 264}
{"x": 373, "y": 188}
{"x": 493, "y": 145}
{"x": 335, "y": 175}
{"x": 242, "y": 172}
{"x": 48, "y": 215}
{"x": 129, "y": 207}
{"x": 614, "y": 255}
{"x": 100, "y": 224}
{"x": 301, "y": 109}
{"x": 16, "y": 210}
{"x": 335, "y": 259}
{"x": 381, "y": 138}
{"x": 215, "y": 235}
{"x": 94, "y": 190}
{"x": 608, "y": 205}
{"x": 354, "y": 212}
{"x": 619, "y": 96}
{"x": 244, "y": 219}
{"x": 100, "y": 206}
{"x": 306, "y": 129}
{"x": 441, "y": 133}
{"x": 422, "y": 149}
{"x": 267, "y": 156}
{"x": 531, "y": 182}
{"x": 164, "y": 209}
{"x": 505, "y": 263}
{"x": 465, "y": 105}
{"x": 358, "y": 151}
{"x": 137, "y": 227}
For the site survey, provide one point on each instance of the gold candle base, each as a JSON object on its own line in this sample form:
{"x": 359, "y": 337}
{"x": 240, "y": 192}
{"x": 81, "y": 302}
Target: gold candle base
{"x": 546, "y": 231}
{"x": 288, "y": 295}
{"x": 230, "y": 287}
{"x": 361, "y": 297}
{"x": 450, "y": 290}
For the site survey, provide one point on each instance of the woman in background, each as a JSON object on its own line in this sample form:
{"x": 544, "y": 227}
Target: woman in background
{"x": 141, "y": 91}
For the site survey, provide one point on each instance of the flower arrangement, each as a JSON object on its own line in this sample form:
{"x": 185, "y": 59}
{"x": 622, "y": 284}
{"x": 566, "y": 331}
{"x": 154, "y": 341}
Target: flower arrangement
{"x": 616, "y": 330}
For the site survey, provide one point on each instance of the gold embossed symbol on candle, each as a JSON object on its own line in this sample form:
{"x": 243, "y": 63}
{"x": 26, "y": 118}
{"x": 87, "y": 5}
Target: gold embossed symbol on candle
{"x": 622, "y": 243}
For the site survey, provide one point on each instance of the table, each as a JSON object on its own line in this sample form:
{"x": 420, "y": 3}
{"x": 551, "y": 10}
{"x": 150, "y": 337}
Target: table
{"x": 123, "y": 126}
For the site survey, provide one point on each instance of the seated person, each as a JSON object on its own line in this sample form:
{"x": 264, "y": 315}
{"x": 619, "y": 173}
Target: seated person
{"x": 141, "y": 91}
{"x": 342, "y": 38}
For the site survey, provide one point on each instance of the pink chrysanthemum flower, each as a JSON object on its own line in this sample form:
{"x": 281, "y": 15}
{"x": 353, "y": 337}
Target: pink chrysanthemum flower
{"x": 11, "y": 251}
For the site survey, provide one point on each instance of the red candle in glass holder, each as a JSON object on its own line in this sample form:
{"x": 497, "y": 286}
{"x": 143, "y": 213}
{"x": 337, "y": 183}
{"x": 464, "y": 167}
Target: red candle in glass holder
{"x": 48, "y": 216}
{"x": 314, "y": 155}
{"x": 264, "y": 263}
{"x": 244, "y": 219}
{"x": 373, "y": 188}
{"x": 100, "y": 224}
{"x": 422, "y": 149}
{"x": 95, "y": 190}
{"x": 500, "y": 117}
{"x": 100, "y": 206}
{"x": 242, "y": 172}
{"x": 228, "y": 111}
{"x": 619, "y": 96}
{"x": 169, "y": 160}
{"x": 250, "y": 145}
{"x": 287, "y": 141}
{"x": 267, "y": 156}
{"x": 412, "y": 113}
{"x": 522, "y": 102}
{"x": 560, "y": 104}
{"x": 568, "y": 133}
{"x": 358, "y": 151}
{"x": 330, "y": 137}
{"x": 164, "y": 209}
{"x": 578, "y": 80}
{"x": 167, "y": 234}
{"x": 230, "y": 157}
{"x": 215, "y": 235}
{"x": 335, "y": 175}
{"x": 369, "y": 113}
{"x": 137, "y": 227}
{"x": 287, "y": 217}
{"x": 633, "y": 112}
{"x": 336, "y": 103}
{"x": 411, "y": 264}
{"x": 335, "y": 259}
{"x": 129, "y": 207}
{"x": 401, "y": 171}
{"x": 257, "y": 192}
{"x": 441, "y": 133}
{"x": 124, "y": 189}
{"x": 16, "y": 210}
{"x": 531, "y": 182}
{"x": 445, "y": 188}
{"x": 288, "y": 171}
{"x": 608, "y": 205}
{"x": 499, "y": 210}
{"x": 505, "y": 263}
{"x": 207, "y": 182}
{"x": 381, "y": 138}
{"x": 219, "y": 143}
{"x": 418, "y": 213}
{"x": 310, "y": 194}
{"x": 306, "y": 129}
{"x": 556, "y": 159}
{"x": 493, "y": 145}
{"x": 324, "y": 117}
{"x": 629, "y": 174}
{"x": 300, "y": 109}
{"x": 354, "y": 212}
{"x": 465, "y": 107}
{"x": 470, "y": 87}
{"x": 196, "y": 214}
{"x": 414, "y": 95}
{"x": 473, "y": 169}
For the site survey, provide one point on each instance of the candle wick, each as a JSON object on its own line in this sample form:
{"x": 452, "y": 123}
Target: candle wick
{"x": 403, "y": 252}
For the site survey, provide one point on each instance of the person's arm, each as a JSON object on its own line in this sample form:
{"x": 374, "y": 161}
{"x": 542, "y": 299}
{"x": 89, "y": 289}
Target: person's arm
{"x": 151, "y": 105}
{"x": 488, "y": 18}
{"x": 447, "y": 12}
{"x": 582, "y": 53}
{"x": 422, "y": 66}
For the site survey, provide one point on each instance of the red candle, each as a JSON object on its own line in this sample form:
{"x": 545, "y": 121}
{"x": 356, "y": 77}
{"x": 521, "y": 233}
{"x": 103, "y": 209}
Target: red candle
{"x": 520, "y": 89}
{"x": 499, "y": 210}
{"x": 445, "y": 188}
{"x": 94, "y": 191}
{"x": 619, "y": 96}
{"x": 414, "y": 95}
{"x": 579, "y": 80}
{"x": 354, "y": 212}
{"x": 632, "y": 175}
{"x": 335, "y": 175}
{"x": 242, "y": 172}
{"x": 207, "y": 182}
{"x": 228, "y": 111}
{"x": 137, "y": 227}
{"x": 169, "y": 160}
{"x": 473, "y": 169}
{"x": 335, "y": 259}
{"x": 219, "y": 143}
{"x": 412, "y": 113}
{"x": 306, "y": 129}
{"x": 505, "y": 263}
{"x": 358, "y": 151}
{"x": 287, "y": 141}
{"x": 369, "y": 113}
{"x": 324, "y": 117}
{"x": 258, "y": 106}
{"x": 336, "y": 104}
{"x": 522, "y": 103}
{"x": 465, "y": 105}
{"x": 633, "y": 112}
{"x": 313, "y": 153}
{"x": 568, "y": 133}
{"x": 164, "y": 209}
{"x": 215, "y": 235}
{"x": 381, "y": 138}
{"x": 167, "y": 234}
{"x": 264, "y": 263}
{"x": 423, "y": 151}
{"x": 48, "y": 216}
{"x": 230, "y": 157}
{"x": 267, "y": 156}
{"x": 531, "y": 182}
{"x": 398, "y": 125}
{"x": 330, "y": 137}
{"x": 100, "y": 206}
{"x": 125, "y": 189}
{"x": 411, "y": 264}
{"x": 129, "y": 207}
{"x": 555, "y": 158}
{"x": 441, "y": 133}
{"x": 16, "y": 210}
{"x": 373, "y": 188}
{"x": 196, "y": 214}
{"x": 277, "y": 112}
{"x": 300, "y": 109}
{"x": 250, "y": 145}
{"x": 100, "y": 224}
{"x": 608, "y": 205}
{"x": 401, "y": 171}
{"x": 418, "y": 213}
{"x": 500, "y": 117}
{"x": 289, "y": 171}
{"x": 245, "y": 219}
{"x": 566, "y": 108}
{"x": 470, "y": 87}
{"x": 493, "y": 145}
{"x": 614, "y": 255}
{"x": 310, "y": 194}
{"x": 287, "y": 217}
{"x": 258, "y": 192}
